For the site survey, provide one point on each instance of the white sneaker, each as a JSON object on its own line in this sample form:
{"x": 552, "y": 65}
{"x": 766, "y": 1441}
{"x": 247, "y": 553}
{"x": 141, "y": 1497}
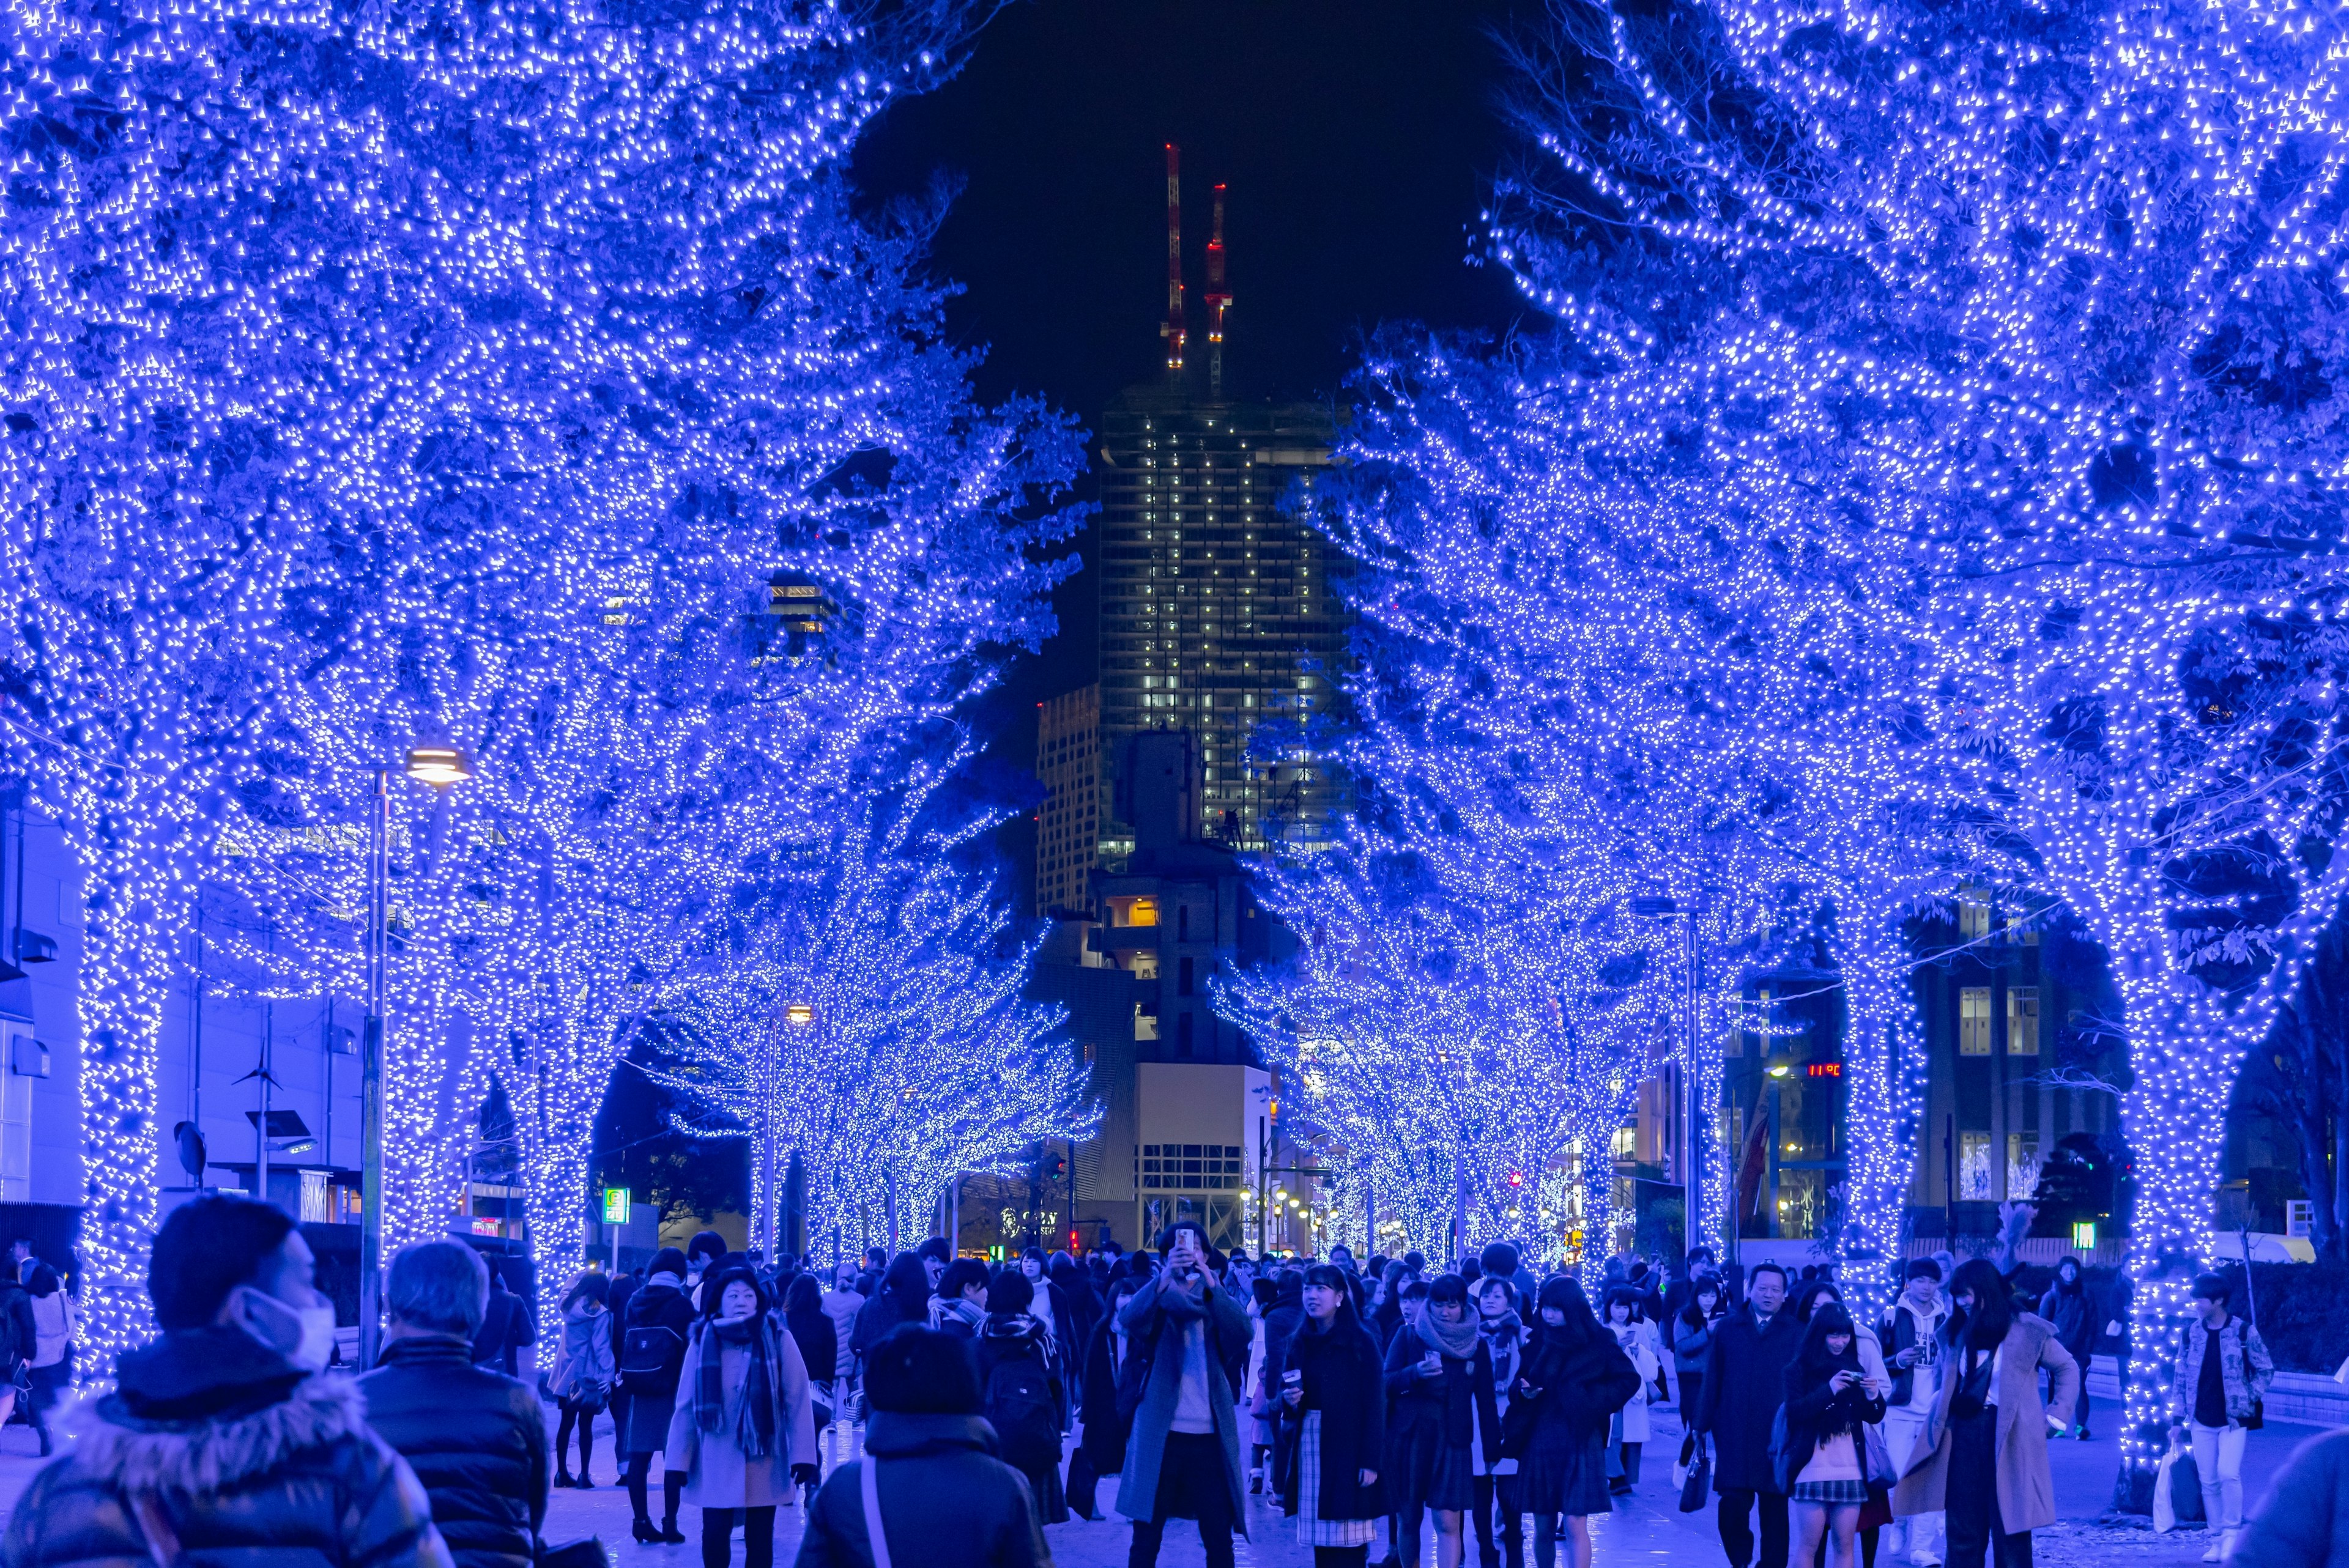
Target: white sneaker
{"x": 2216, "y": 1550}
{"x": 2227, "y": 1545}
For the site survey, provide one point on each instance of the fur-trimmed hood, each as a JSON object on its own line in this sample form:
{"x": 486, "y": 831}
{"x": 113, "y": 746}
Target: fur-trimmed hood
{"x": 205, "y": 1408}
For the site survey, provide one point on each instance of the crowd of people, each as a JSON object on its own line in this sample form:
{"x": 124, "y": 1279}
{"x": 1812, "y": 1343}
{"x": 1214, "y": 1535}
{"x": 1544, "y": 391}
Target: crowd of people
{"x": 1393, "y": 1402}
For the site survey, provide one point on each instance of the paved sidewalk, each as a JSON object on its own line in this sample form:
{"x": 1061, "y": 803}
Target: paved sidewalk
{"x": 1645, "y": 1528}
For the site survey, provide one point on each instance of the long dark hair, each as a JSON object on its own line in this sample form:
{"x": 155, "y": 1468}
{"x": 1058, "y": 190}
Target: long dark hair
{"x": 1984, "y": 1327}
{"x": 1694, "y": 1313}
{"x": 1581, "y": 1326}
{"x": 1813, "y": 1363}
{"x": 591, "y": 1286}
{"x": 802, "y": 1294}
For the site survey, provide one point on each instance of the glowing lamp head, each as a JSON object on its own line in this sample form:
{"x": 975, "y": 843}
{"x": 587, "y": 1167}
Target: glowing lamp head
{"x": 438, "y": 766}
{"x": 800, "y": 1015}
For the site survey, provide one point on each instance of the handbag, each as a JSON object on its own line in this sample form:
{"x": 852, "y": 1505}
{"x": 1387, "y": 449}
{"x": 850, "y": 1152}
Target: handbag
{"x": 2258, "y": 1418}
{"x": 1876, "y": 1462}
{"x": 1700, "y": 1479}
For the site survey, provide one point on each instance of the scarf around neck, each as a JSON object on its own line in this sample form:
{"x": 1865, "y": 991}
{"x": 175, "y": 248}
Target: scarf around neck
{"x": 1457, "y": 1340}
{"x": 754, "y": 1422}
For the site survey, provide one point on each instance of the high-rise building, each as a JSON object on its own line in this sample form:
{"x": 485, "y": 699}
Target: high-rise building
{"x": 1068, "y": 764}
{"x": 1217, "y": 615}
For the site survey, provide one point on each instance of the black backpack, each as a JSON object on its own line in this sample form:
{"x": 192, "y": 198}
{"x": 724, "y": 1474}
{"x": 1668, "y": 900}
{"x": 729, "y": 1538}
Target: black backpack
{"x": 1024, "y": 1412}
{"x": 651, "y": 1356}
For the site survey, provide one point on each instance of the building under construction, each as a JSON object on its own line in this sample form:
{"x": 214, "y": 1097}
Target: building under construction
{"x": 1218, "y": 614}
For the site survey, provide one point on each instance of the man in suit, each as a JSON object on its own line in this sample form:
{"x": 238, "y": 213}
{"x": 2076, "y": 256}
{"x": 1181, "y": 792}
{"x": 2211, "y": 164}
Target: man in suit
{"x": 1744, "y": 1384}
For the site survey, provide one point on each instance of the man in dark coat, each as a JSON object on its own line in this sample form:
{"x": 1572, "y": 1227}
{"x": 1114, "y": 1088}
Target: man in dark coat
{"x": 475, "y": 1438}
{"x": 1182, "y": 1455}
{"x": 221, "y": 1443}
{"x": 944, "y": 1499}
{"x": 1744, "y": 1384}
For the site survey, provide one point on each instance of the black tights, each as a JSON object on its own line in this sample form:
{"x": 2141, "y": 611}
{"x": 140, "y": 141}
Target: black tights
{"x": 585, "y": 1420}
{"x": 1340, "y": 1556}
{"x": 758, "y": 1536}
{"x": 640, "y": 1469}
{"x": 1512, "y": 1525}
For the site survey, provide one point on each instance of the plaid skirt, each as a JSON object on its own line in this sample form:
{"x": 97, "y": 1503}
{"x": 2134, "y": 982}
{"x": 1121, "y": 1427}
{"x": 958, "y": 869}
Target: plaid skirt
{"x": 1829, "y": 1491}
{"x": 1312, "y": 1530}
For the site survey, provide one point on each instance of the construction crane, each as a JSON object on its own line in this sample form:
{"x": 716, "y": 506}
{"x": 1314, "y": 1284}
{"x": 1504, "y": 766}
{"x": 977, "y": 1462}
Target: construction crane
{"x": 1219, "y": 300}
{"x": 1172, "y": 330}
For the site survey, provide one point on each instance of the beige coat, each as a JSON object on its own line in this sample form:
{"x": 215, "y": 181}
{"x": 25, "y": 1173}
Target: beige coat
{"x": 723, "y": 1476}
{"x": 2026, "y": 1493}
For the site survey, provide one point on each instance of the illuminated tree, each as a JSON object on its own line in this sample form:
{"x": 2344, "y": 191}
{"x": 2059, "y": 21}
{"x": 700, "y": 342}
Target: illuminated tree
{"x": 865, "y": 1013}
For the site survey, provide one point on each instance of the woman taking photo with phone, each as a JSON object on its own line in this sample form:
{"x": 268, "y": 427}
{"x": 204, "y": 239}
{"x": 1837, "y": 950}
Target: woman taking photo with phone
{"x": 1439, "y": 1378}
{"x": 1332, "y": 1402}
{"x": 1821, "y": 1467}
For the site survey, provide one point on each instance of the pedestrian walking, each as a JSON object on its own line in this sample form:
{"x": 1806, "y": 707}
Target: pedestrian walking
{"x": 743, "y": 1432}
{"x": 1820, "y": 1462}
{"x": 1332, "y": 1398}
{"x": 1910, "y": 1335}
{"x": 1744, "y": 1384}
{"x": 841, "y": 1304}
{"x": 1504, "y": 1332}
{"x": 928, "y": 1474}
{"x": 1627, "y": 1319}
{"x": 1691, "y": 1328}
{"x": 703, "y": 1252}
{"x": 220, "y": 1442}
{"x": 55, "y": 1323}
{"x": 2221, "y": 1373}
{"x": 20, "y": 1337}
{"x": 904, "y": 1297}
{"x": 1987, "y": 1465}
{"x": 1109, "y": 1391}
{"x": 959, "y": 1308}
{"x": 506, "y": 1331}
{"x": 1182, "y": 1454}
{"x": 585, "y": 1365}
{"x": 653, "y": 1340}
{"x": 1439, "y": 1378}
{"x": 475, "y": 1437}
{"x": 1574, "y": 1377}
{"x": 1281, "y": 1319}
{"x": 2071, "y": 1309}
{"x": 1020, "y": 1390}
{"x": 811, "y": 1328}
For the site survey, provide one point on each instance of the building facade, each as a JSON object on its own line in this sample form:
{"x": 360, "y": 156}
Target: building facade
{"x": 1218, "y": 614}
{"x": 1068, "y": 827}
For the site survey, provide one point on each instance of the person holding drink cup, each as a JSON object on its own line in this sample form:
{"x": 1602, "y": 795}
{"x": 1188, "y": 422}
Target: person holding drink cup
{"x": 1332, "y": 1409}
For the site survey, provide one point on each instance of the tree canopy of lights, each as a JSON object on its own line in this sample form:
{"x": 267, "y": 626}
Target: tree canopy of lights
{"x": 862, "y": 1008}
{"x": 2027, "y": 315}
{"x": 613, "y": 451}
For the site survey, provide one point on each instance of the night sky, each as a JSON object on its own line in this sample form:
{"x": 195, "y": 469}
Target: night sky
{"x": 1357, "y": 136}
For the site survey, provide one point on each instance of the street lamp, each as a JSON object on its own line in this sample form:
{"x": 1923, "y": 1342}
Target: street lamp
{"x": 1654, "y": 906}
{"x": 441, "y": 767}
{"x": 799, "y": 1016}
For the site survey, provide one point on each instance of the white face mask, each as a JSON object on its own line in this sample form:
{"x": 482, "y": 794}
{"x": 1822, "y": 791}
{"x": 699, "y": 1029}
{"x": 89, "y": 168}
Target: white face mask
{"x": 305, "y": 1335}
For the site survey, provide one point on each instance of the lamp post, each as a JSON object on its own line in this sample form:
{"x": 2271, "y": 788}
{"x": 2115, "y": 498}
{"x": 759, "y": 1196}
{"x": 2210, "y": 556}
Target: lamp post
{"x": 798, "y": 1016}
{"x": 440, "y": 768}
{"x": 1658, "y": 908}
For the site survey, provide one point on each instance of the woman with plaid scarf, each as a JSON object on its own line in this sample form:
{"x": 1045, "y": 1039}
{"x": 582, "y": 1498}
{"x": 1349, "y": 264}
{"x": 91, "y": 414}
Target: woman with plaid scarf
{"x": 744, "y": 1425}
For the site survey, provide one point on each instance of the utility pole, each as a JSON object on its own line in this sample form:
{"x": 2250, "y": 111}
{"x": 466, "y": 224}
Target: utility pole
{"x": 371, "y": 1080}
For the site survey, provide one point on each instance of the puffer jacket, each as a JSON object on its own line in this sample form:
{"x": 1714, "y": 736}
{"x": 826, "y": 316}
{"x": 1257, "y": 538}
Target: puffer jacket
{"x": 247, "y": 1459}
{"x": 2244, "y": 1365}
{"x": 946, "y": 1501}
{"x": 476, "y": 1438}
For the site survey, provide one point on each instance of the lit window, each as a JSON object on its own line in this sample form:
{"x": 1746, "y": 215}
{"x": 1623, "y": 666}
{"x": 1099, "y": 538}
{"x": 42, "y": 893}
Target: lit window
{"x": 1974, "y": 1022}
{"x": 2023, "y": 1021}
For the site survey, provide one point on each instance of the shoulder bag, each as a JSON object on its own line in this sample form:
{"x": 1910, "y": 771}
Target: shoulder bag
{"x": 868, "y": 1487}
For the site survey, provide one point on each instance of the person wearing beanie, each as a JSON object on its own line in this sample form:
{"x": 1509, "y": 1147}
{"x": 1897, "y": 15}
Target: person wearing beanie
{"x": 943, "y": 1497}
{"x": 1911, "y": 1334}
{"x": 652, "y": 1341}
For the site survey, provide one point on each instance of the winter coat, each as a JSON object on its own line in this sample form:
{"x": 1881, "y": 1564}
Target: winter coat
{"x": 2244, "y": 1365}
{"x": 819, "y": 1341}
{"x": 1744, "y": 1384}
{"x": 476, "y": 1438}
{"x": 946, "y": 1501}
{"x": 1455, "y": 1409}
{"x": 1343, "y": 1378}
{"x": 2027, "y": 1493}
{"x": 1566, "y": 1395}
{"x": 53, "y": 1320}
{"x": 248, "y": 1459}
{"x": 22, "y": 1339}
{"x": 1690, "y": 1345}
{"x": 584, "y": 1366}
{"x": 1155, "y": 1320}
{"x": 723, "y": 1476}
{"x": 1007, "y": 1337}
{"x": 1103, "y": 1441}
{"x": 1898, "y": 1332}
{"x": 2304, "y": 1523}
{"x": 904, "y": 1297}
{"x": 1282, "y": 1319}
{"x": 1814, "y": 1409}
{"x": 506, "y": 1331}
{"x": 842, "y": 1306}
{"x": 1640, "y": 1342}
{"x": 2071, "y": 1315}
{"x": 659, "y": 1304}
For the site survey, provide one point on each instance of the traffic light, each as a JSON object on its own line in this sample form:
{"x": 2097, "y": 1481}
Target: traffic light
{"x": 1054, "y": 1167}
